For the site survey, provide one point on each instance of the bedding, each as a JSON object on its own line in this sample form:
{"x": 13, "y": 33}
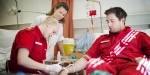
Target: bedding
{"x": 146, "y": 31}
{"x": 6, "y": 40}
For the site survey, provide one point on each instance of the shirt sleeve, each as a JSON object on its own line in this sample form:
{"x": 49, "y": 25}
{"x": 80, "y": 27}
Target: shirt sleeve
{"x": 38, "y": 20}
{"x": 60, "y": 33}
{"x": 145, "y": 42}
{"x": 24, "y": 40}
{"x": 93, "y": 51}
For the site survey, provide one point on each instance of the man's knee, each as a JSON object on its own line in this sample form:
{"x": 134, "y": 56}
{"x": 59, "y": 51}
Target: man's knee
{"x": 130, "y": 72}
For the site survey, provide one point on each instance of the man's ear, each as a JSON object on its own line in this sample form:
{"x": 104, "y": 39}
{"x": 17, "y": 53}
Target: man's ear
{"x": 123, "y": 19}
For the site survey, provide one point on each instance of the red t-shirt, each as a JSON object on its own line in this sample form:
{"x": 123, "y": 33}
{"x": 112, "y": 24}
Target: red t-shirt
{"x": 33, "y": 40}
{"x": 139, "y": 46}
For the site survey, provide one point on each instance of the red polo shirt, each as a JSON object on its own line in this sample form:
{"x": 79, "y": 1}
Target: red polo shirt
{"x": 33, "y": 40}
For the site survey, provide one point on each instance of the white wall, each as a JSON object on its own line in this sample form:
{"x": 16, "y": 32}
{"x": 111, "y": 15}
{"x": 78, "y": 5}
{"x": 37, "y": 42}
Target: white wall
{"x": 29, "y": 10}
{"x": 5, "y": 18}
{"x": 138, "y": 11}
{"x": 133, "y": 7}
{"x": 42, "y": 6}
{"x": 138, "y": 14}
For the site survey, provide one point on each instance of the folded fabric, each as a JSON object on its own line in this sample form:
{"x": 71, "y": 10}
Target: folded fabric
{"x": 84, "y": 42}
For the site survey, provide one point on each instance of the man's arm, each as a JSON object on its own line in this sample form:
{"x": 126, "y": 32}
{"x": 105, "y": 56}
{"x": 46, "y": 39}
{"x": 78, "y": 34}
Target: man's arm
{"x": 145, "y": 45}
{"x": 24, "y": 60}
{"x": 58, "y": 47}
{"x": 77, "y": 66}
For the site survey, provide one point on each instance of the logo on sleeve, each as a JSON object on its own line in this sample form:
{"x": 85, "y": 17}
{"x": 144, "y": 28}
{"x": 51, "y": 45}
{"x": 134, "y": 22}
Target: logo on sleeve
{"x": 105, "y": 41}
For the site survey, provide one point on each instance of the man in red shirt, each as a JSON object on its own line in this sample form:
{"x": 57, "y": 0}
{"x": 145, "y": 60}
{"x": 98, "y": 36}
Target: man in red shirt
{"x": 28, "y": 53}
{"x": 115, "y": 53}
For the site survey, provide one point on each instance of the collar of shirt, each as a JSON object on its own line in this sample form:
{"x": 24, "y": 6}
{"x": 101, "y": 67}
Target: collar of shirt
{"x": 38, "y": 32}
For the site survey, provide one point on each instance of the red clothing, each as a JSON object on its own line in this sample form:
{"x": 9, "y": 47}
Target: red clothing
{"x": 124, "y": 63}
{"x": 33, "y": 40}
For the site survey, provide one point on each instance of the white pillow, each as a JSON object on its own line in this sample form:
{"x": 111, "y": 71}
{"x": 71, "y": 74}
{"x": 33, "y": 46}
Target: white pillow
{"x": 7, "y": 37}
{"x": 96, "y": 35}
{"x": 147, "y": 31}
{"x": 6, "y": 40}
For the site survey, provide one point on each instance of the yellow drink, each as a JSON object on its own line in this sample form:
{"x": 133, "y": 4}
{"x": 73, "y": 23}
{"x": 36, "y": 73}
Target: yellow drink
{"x": 68, "y": 49}
{"x": 68, "y": 45}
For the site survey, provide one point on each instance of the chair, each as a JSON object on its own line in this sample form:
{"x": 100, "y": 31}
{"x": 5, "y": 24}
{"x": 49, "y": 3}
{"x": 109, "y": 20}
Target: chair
{"x": 7, "y": 66}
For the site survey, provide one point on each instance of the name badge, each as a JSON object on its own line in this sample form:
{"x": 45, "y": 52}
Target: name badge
{"x": 38, "y": 43}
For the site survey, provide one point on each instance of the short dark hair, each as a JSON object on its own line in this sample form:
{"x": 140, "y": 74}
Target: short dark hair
{"x": 57, "y": 6}
{"x": 62, "y": 4}
{"x": 118, "y": 11}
